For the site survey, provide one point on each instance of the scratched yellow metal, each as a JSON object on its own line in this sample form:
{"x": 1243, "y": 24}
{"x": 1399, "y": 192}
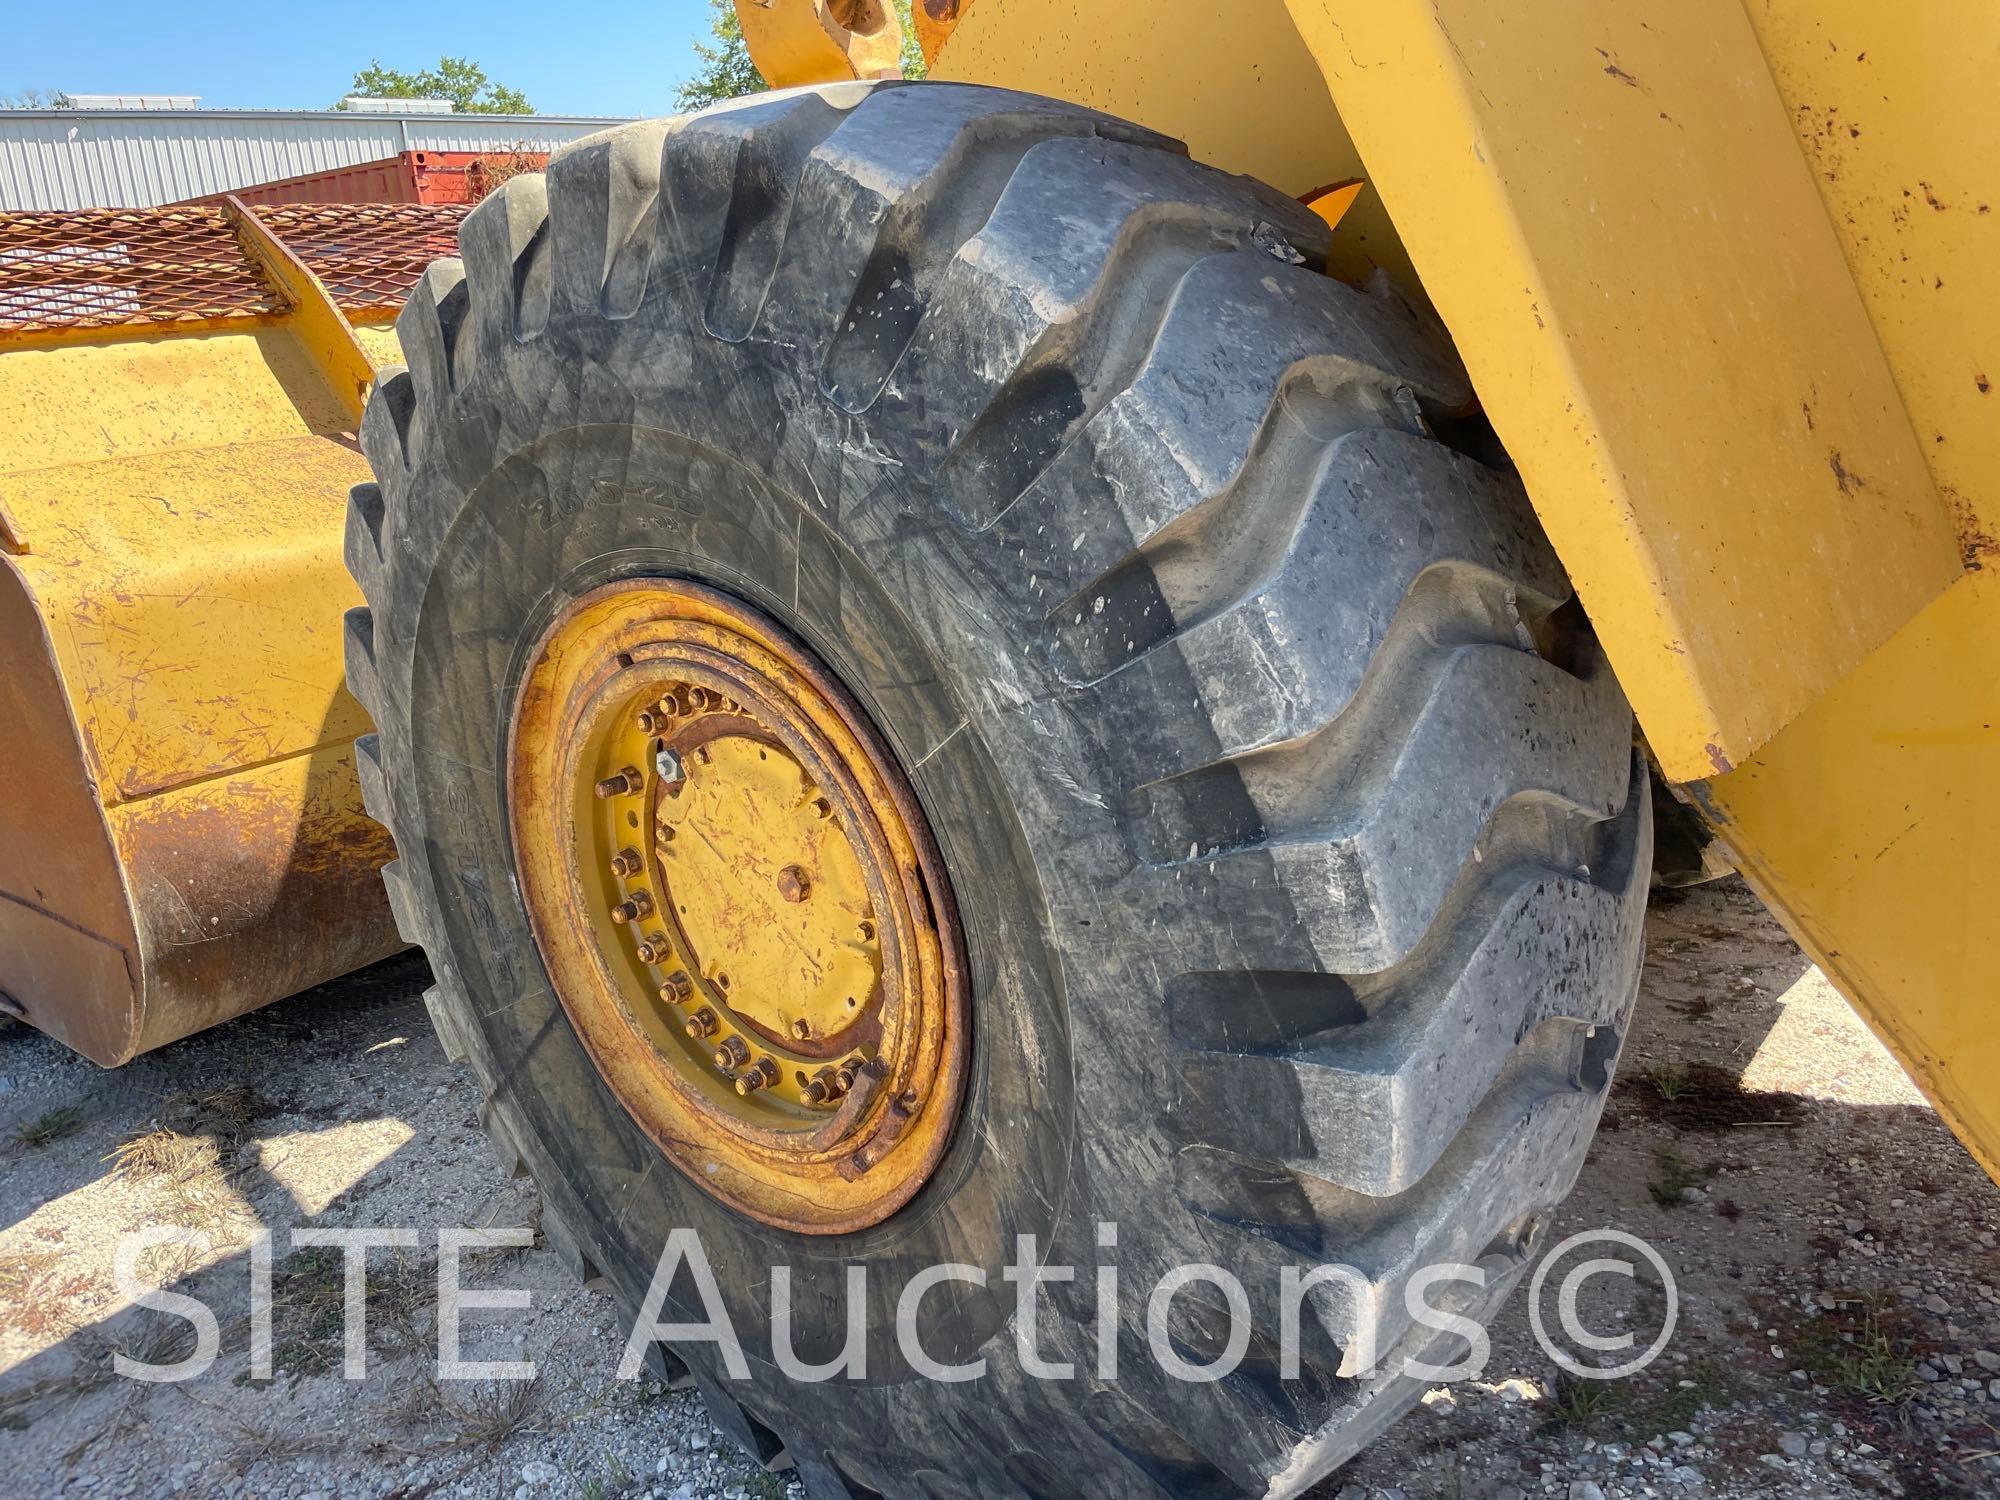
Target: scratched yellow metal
{"x": 1893, "y": 105}
{"x": 118, "y": 396}
{"x": 174, "y": 503}
{"x": 1868, "y": 825}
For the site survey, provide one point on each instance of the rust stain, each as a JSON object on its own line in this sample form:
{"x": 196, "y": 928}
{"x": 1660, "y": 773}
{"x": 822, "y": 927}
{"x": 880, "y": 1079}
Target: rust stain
{"x": 1717, "y": 759}
{"x": 250, "y": 889}
{"x": 1612, "y": 70}
{"x": 1976, "y": 544}
{"x": 1846, "y": 478}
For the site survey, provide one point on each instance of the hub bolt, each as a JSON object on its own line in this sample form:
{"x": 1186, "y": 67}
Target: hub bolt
{"x": 623, "y": 784}
{"x": 627, "y": 862}
{"x": 732, "y": 1054}
{"x": 677, "y": 988}
{"x": 760, "y": 1075}
{"x": 632, "y": 908}
{"x": 653, "y": 949}
{"x": 802, "y": 1028}
{"x": 866, "y": 932}
{"x": 827, "y": 1085}
{"x": 702, "y": 1023}
{"x": 668, "y": 764}
{"x": 651, "y": 721}
{"x": 792, "y": 884}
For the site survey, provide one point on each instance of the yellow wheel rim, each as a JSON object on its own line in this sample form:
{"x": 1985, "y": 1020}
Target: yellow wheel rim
{"x": 739, "y": 904}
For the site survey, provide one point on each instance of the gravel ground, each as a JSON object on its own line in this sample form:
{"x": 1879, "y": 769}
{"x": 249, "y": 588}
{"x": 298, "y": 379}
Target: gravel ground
{"x": 1833, "y": 1247}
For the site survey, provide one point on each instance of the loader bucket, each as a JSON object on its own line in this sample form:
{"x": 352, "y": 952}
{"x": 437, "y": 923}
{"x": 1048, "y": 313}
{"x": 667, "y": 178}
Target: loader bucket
{"x": 181, "y": 831}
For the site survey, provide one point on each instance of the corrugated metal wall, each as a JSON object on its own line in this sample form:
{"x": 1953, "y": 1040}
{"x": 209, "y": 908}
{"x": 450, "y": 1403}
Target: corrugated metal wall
{"x": 74, "y": 158}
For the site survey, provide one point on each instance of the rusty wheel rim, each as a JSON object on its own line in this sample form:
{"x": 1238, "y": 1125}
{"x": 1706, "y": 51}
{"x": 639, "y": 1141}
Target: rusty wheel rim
{"x": 739, "y": 903}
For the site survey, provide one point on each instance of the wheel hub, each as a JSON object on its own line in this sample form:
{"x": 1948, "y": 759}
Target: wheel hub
{"x": 739, "y": 903}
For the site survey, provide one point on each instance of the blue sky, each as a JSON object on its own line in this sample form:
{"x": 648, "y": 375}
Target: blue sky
{"x": 586, "y": 57}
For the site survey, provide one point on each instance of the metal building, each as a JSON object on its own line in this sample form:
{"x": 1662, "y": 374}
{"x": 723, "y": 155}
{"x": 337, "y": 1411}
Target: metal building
{"x": 136, "y": 158}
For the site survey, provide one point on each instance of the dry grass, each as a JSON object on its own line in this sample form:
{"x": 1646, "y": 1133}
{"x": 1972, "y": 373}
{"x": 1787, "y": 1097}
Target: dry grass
{"x": 309, "y": 1308}
{"x": 491, "y": 171}
{"x": 190, "y": 1154}
{"x": 162, "y": 1154}
{"x": 49, "y": 1127}
{"x": 40, "y": 1297}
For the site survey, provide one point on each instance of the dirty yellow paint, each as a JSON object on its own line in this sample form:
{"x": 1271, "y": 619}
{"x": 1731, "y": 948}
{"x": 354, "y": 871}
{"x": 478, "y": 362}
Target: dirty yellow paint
{"x": 1868, "y": 825}
{"x": 118, "y": 397}
{"x": 314, "y": 319}
{"x": 1893, "y": 105}
{"x": 379, "y": 343}
{"x": 195, "y": 598}
{"x": 1608, "y": 206}
{"x": 174, "y": 502}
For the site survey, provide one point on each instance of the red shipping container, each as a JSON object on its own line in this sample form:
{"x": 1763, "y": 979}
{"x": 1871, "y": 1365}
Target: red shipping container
{"x": 412, "y": 177}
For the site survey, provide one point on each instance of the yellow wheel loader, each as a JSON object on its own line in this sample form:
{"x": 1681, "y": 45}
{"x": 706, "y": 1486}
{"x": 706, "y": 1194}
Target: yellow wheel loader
{"x": 1067, "y": 665}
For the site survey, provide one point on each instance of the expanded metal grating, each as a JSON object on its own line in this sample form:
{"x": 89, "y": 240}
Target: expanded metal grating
{"x": 367, "y": 255}
{"x": 103, "y": 268}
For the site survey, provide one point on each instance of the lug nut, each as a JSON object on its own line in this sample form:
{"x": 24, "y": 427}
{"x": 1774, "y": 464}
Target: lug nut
{"x": 698, "y": 699}
{"x": 792, "y": 883}
{"x": 732, "y": 1054}
{"x": 632, "y": 908}
{"x": 677, "y": 988}
{"x": 802, "y": 1029}
{"x": 760, "y": 1075}
{"x": 624, "y": 783}
{"x": 668, "y": 764}
{"x": 702, "y": 1023}
{"x": 627, "y": 862}
{"x": 827, "y": 1085}
{"x": 651, "y": 721}
{"x": 653, "y": 949}
{"x": 821, "y": 808}
{"x": 866, "y": 932}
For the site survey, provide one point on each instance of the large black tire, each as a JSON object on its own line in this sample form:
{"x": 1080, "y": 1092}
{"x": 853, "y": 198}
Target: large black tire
{"x": 1288, "y": 803}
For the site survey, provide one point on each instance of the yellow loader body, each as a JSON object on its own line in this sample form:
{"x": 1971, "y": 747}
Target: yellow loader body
{"x": 1727, "y": 280}
{"x": 184, "y": 839}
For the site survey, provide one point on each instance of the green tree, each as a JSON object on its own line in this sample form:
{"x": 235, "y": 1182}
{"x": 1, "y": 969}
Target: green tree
{"x": 35, "y": 99}
{"x": 458, "y": 79}
{"x": 726, "y": 72}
